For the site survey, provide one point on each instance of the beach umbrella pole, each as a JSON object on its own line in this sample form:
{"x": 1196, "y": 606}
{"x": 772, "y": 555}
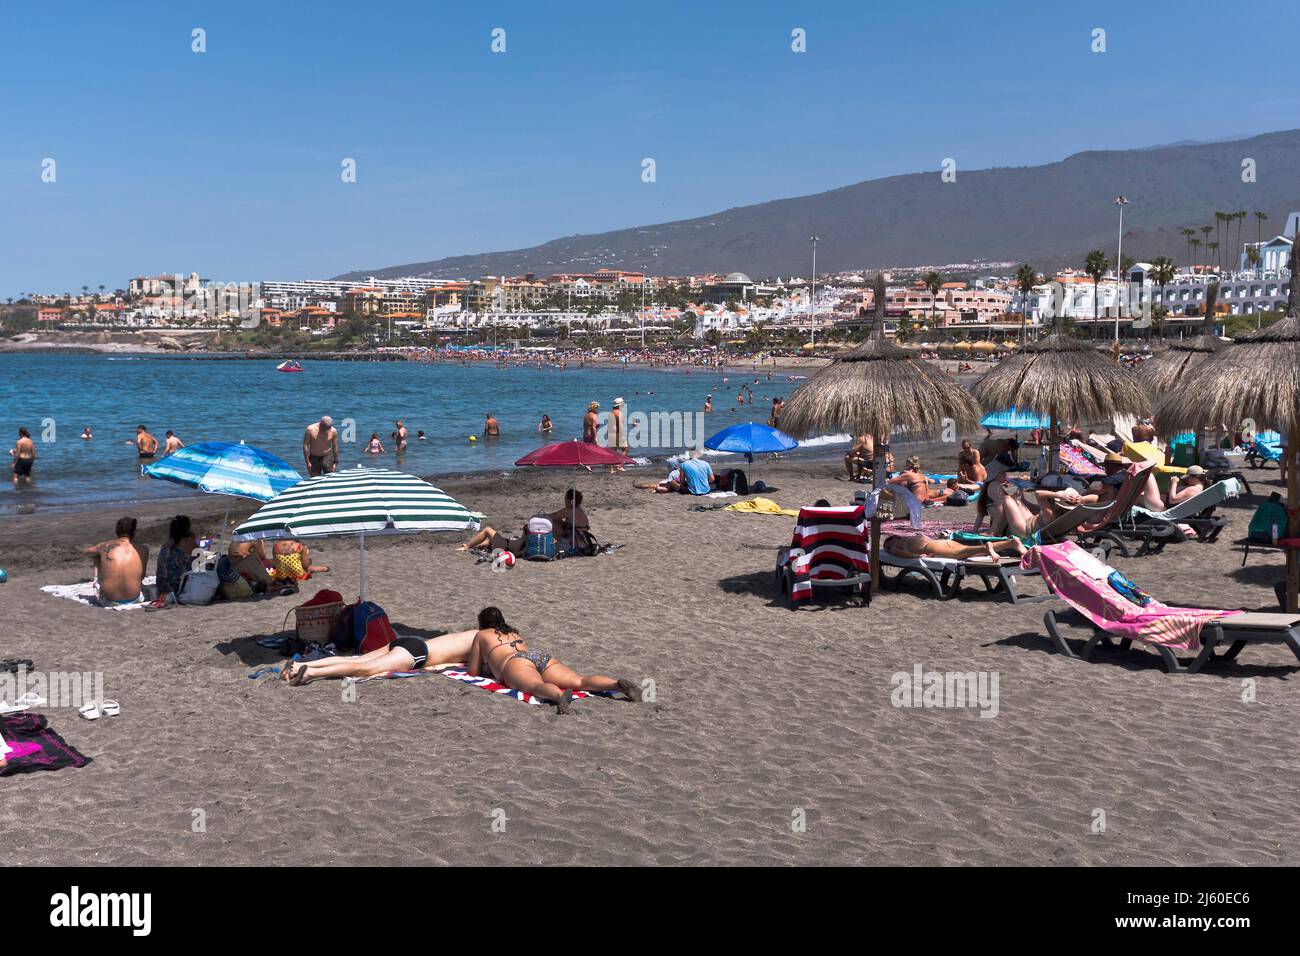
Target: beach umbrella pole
{"x": 1293, "y": 518}
{"x": 878, "y": 482}
{"x": 362, "y": 595}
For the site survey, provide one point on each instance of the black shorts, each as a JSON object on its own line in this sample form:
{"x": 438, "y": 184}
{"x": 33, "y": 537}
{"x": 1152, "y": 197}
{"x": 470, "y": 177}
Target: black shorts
{"x": 413, "y": 646}
{"x": 23, "y": 467}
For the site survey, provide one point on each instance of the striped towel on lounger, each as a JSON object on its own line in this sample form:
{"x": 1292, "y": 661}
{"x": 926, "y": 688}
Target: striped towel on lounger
{"x": 834, "y": 542}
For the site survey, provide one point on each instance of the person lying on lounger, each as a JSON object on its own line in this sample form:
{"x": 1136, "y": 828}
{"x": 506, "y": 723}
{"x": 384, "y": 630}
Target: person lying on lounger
{"x": 500, "y": 650}
{"x": 922, "y": 547}
{"x": 1193, "y": 483}
{"x": 407, "y": 653}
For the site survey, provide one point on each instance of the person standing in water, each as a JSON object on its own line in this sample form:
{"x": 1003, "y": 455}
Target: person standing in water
{"x": 320, "y": 447}
{"x": 172, "y": 443}
{"x": 491, "y": 427}
{"x": 616, "y": 431}
{"x": 24, "y": 456}
{"x": 591, "y": 423}
{"x": 145, "y": 444}
{"x": 399, "y": 437}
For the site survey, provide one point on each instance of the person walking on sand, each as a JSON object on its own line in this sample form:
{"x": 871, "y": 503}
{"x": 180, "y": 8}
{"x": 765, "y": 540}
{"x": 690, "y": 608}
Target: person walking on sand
{"x": 145, "y": 444}
{"x": 616, "y": 431}
{"x": 320, "y": 447}
{"x": 172, "y": 443}
{"x": 24, "y": 455}
{"x": 500, "y": 650}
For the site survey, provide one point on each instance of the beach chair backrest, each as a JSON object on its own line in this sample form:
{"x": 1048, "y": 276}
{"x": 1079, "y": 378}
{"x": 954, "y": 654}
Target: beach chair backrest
{"x": 842, "y": 526}
{"x": 1124, "y": 501}
{"x": 1209, "y": 497}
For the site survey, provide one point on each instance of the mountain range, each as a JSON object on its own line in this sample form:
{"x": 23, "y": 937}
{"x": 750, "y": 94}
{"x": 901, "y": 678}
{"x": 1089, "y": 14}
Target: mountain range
{"x": 1048, "y": 215}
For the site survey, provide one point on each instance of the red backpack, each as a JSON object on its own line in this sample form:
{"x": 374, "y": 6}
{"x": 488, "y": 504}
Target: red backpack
{"x": 361, "y": 628}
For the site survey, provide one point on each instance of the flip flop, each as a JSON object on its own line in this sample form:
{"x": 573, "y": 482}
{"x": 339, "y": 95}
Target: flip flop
{"x": 30, "y": 699}
{"x": 90, "y": 711}
{"x": 111, "y": 708}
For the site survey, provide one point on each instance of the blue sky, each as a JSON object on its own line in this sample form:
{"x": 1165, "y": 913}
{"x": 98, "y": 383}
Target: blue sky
{"x": 228, "y": 162}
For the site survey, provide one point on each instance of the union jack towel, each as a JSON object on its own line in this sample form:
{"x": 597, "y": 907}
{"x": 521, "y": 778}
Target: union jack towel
{"x": 487, "y": 683}
{"x": 834, "y": 542}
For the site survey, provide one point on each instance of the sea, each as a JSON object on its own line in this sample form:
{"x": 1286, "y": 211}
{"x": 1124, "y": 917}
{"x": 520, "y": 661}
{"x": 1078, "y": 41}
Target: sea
{"x": 56, "y": 396}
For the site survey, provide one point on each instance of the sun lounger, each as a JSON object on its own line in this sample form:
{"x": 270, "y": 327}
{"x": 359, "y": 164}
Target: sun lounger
{"x": 828, "y": 550}
{"x": 1081, "y": 581}
{"x": 1265, "y": 448}
{"x": 1162, "y": 527}
{"x": 945, "y": 575}
{"x": 1095, "y": 525}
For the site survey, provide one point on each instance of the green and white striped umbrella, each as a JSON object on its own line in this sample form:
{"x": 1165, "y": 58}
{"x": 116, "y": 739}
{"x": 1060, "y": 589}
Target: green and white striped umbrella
{"x": 359, "y": 501}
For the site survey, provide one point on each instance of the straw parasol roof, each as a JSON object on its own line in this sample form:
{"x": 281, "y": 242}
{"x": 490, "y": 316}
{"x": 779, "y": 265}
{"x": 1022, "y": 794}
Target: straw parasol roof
{"x": 1256, "y": 377}
{"x": 1174, "y": 364}
{"x": 874, "y": 389}
{"x": 1063, "y": 378}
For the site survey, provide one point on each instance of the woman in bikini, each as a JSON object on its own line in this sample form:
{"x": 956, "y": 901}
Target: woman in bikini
{"x": 921, "y": 546}
{"x": 407, "y": 653}
{"x": 970, "y": 469}
{"x": 499, "y": 649}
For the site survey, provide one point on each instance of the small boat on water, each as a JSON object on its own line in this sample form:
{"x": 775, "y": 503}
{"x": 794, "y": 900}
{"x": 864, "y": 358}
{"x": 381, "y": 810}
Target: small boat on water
{"x": 291, "y": 365}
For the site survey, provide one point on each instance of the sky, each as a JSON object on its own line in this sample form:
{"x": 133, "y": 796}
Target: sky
{"x": 228, "y": 162}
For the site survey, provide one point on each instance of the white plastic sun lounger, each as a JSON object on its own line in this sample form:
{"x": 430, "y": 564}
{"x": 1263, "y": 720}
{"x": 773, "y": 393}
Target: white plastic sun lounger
{"x": 945, "y": 575}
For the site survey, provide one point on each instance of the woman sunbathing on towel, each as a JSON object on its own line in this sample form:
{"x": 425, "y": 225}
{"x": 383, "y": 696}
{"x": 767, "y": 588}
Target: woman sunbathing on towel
{"x": 499, "y": 649}
{"x": 407, "y": 653}
{"x": 922, "y": 547}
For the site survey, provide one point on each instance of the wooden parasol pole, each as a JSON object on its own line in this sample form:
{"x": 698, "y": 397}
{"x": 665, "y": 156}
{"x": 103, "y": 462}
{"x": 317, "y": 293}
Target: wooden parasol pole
{"x": 1293, "y": 518}
{"x": 877, "y": 482}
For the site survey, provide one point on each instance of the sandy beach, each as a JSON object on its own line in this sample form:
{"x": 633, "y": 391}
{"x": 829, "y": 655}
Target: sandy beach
{"x": 761, "y": 713}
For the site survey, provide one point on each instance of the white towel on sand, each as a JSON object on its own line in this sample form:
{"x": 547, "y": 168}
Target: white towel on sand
{"x": 87, "y": 593}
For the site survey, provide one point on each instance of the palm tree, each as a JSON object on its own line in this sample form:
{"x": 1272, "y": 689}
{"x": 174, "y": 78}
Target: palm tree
{"x": 934, "y": 282}
{"x": 1026, "y": 279}
{"x": 1205, "y": 231}
{"x": 1220, "y": 219}
{"x": 1196, "y": 248}
{"x": 1260, "y": 219}
{"x": 1095, "y": 265}
{"x": 1189, "y": 234}
{"x": 1213, "y": 249}
{"x": 1162, "y": 273}
{"x": 1240, "y": 216}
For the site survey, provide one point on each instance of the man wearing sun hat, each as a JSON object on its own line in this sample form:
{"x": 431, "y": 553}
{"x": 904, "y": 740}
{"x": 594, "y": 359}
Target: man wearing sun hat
{"x": 616, "y": 430}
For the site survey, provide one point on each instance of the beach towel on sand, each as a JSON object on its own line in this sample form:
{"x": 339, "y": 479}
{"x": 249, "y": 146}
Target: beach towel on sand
{"x": 87, "y": 593}
{"x": 33, "y": 745}
{"x": 761, "y": 506}
{"x": 1072, "y": 575}
{"x": 457, "y": 673}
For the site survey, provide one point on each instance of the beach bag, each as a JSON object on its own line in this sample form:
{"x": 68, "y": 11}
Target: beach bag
{"x": 733, "y": 480}
{"x": 198, "y": 587}
{"x": 314, "y": 620}
{"x": 539, "y": 539}
{"x": 1268, "y": 515}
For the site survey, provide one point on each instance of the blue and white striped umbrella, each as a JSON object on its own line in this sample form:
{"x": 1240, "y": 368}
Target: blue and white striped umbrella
{"x": 1013, "y": 419}
{"x": 225, "y": 468}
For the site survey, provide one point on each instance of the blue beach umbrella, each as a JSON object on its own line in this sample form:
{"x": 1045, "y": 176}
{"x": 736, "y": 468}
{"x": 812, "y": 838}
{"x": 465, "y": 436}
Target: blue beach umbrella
{"x": 750, "y": 439}
{"x": 225, "y": 468}
{"x": 1013, "y": 419}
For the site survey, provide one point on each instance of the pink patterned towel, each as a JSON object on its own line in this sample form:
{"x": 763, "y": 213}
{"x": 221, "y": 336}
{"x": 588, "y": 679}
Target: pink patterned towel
{"x": 1080, "y": 580}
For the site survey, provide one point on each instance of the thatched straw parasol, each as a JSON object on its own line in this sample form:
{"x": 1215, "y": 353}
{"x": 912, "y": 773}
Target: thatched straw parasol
{"x": 874, "y": 389}
{"x": 1173, "y": 366}
{"x": 1065, "y": 379}
{"x": 1256, "y": 377}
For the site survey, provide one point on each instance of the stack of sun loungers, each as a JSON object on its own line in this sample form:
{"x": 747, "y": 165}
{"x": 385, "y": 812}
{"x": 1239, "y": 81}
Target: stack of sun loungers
{"x": 1083, "y": 582}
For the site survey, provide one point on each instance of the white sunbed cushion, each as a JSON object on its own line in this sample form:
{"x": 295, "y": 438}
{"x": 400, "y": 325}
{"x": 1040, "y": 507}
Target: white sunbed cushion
{"x": 1087, "y": 563}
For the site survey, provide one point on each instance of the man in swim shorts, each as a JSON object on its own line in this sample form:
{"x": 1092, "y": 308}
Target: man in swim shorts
{"x": 145, "y": 444}
{"x": 320, "y": 447}
{"x": 24, "y": 456}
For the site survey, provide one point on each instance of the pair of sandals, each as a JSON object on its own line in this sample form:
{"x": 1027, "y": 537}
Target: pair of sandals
{"x": 104, "y": 708}
{"x": 295, "y": 678}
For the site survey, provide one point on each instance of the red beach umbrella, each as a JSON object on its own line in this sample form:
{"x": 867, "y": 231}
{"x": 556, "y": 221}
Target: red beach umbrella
{"x": 573, "y": 454}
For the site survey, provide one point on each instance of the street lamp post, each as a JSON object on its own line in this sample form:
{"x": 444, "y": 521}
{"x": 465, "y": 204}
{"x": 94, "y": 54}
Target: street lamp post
{"x": 812, "y": 298}
{"x": 1119, "y": 264}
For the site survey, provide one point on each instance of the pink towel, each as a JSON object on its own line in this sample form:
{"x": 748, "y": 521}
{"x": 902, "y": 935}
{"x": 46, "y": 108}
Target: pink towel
{"x": 1178, "y": 628}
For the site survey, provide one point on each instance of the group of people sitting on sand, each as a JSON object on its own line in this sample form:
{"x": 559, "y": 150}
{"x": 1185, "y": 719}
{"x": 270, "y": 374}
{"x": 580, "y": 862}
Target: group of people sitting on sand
{"x": 494, "y": 648}
{"x": 695, "y": 476}
{"x": 568, "y": 524}
{"x": 120, "y": 563}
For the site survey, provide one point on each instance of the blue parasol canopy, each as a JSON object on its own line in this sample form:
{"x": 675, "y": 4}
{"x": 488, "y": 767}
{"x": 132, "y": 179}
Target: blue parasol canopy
{"x": 750, "y": 438}
{"x": 225, "y": 468}
{"x": 1013, "y": 419}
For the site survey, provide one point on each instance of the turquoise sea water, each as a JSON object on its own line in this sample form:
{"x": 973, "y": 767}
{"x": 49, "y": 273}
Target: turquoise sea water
{"x": 56, "y": 396}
